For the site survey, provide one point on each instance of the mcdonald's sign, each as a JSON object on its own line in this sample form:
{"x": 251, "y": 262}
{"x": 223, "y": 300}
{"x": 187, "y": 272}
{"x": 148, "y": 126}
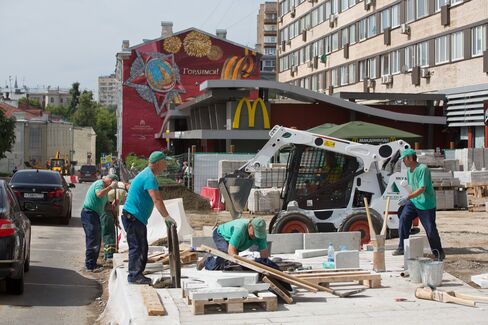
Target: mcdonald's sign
{"x": 251, "y": 112}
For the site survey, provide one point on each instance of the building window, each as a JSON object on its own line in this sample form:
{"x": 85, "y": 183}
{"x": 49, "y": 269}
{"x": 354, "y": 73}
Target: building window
{"x": 344, "y": 77}
{"x": 478, "y": 40}
{"x": 457, "y": 42}
{"x": 422, "y": 8}
{"x": 315, "y": 82}
{"x": 345, "y": 36}
{"x": 423, "y": 54}
{"x": 371, "y": 26}
{"x": 395, "y": 62}
{"x": 352, "y": 73}
{"x": 395, "y": 16}
{"x": 307, "y": 83}
{"x": 269, "y": 39}
{"x": 344, "y": 4}
{"x": 372, "y": 68}
{"x": 362, "y": 70}
{"x": 352, "y": 2}
{"x": 327, "y": 10}
{"x": 362, "y": 29}
{"x": 328, "y": 47}
{"x": 410, "y": 10}
{"x": 440, "y": 3}
{"x": 455, "y": 2}
{"x": 51, "y": 99}
{"x": 385, "y": 64}
{"x": 385, "y": 19}
{"x": 315, "y": 17}
{"x": 352, "y": 34}
{"x": 409, "y": 57}
{"x": 302, "y": 55}
{"x": 441, "y": 49}
{"x": 333, "y": 77}
{"x": 335, "y": 41}
{"x": 61, "y": 100}
{"x": 270, "y": 51}
{"x": 335, "y": 6}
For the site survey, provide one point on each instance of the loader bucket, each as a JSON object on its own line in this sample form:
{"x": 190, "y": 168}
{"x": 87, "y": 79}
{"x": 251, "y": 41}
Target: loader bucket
{"x": 235, "y": 188}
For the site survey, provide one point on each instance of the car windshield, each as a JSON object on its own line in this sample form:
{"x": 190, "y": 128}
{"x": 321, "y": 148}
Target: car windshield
{"x": 88, "y": 169}
{"x": 34, "y": 177}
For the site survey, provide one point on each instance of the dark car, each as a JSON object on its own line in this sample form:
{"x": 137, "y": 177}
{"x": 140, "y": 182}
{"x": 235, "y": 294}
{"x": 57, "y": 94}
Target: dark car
{"x": 15, "y": 234}
{"x": 43, "y": 194}
{"x": 88, "y": 173}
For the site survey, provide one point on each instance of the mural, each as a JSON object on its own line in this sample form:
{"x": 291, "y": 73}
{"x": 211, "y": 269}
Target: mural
{"x": 164, "y": 73}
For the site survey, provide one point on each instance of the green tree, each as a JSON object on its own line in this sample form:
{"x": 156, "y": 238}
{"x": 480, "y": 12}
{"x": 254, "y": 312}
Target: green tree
{"x": 59, "y": 110}
{"x": 75, "y": 97}
{"x": 86, "y": 111}
{"x": 7, "y": 134}
{"x": 30, "y": 102}
{"x": 105, "y": 128}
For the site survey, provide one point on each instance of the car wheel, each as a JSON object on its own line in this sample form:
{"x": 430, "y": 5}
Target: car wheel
{"x": 294, "y": 223}
{"x": 16, "y": 286}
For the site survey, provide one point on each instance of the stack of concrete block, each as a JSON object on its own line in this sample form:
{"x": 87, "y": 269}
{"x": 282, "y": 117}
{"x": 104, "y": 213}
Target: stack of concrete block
{"x": 472, "y": 178}
{"x": 470, "y": 158}
{"x": 430, "y": 158}
{"x": 445, "y": 199}
{"x": 451, "y": 165}
{"x": 227, "y": 167}
{"x": 264, "y": 200}
{"x": 270, "y": 177}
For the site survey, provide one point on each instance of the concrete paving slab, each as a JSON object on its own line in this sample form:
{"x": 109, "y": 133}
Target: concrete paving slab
{"x": 257, "y": 287}
{"x": 218, "y": 293}
{"x": 346, "y": 259}
{"x": 202, "y": 240}
{"x": 308, "y": 253}
{"x": 350, "y": 240}
{"x": 285, "y": 243}
{"x": 481, "y": 280}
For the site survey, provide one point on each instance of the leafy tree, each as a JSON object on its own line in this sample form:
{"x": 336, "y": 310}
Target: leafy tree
{"x": 30, "y": 102}
{"x": 75, "y": 97}
{"x": 59, "y": 110}
{"x": 7, "y": 134}
{"x": 105, "y": 128}
{"x": 86, "y": 110}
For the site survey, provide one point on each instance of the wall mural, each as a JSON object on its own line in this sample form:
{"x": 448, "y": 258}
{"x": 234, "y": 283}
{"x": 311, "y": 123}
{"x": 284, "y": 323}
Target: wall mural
{"x": 167, "y": 72}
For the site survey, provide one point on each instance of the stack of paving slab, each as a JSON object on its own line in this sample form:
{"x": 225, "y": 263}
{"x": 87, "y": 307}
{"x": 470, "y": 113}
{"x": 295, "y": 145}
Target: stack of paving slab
{"x": 469, "y": 158}
{"x": 264, "y": 200}
{"x": 430, "y": 158}
{"x": 448, "y": 193}
{"x": 270, "y": 177}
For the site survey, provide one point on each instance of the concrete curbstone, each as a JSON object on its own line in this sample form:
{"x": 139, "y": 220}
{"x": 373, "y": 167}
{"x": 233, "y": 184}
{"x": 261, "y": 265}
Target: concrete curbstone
{"x": 351, "y": 240}
{"x": 286, "y": 243}
{"x": 346, "y": 259}
{"x": 309, "y": 253}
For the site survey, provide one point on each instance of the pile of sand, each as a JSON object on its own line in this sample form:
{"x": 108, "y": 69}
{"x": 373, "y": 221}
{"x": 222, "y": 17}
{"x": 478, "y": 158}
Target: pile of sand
{"x": 191, "y": 201}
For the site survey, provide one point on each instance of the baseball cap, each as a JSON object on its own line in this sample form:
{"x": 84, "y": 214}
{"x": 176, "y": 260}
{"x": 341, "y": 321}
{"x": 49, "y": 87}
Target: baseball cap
{"x": 259, "y": 226}
{"x": 408, "y": 152}
{"x": 113, "y": 177}
{"x": 157, "y": 156}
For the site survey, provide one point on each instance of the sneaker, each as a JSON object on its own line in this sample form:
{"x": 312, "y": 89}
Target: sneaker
{"x": 97, "y": 269}
{"x": 397, "y": 252}
{"x": 142, "y": 280}
{"x": 201, "y": 263}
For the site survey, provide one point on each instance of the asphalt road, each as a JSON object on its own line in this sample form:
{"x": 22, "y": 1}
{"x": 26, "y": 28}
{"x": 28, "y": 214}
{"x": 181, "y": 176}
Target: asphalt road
{"x": 56, "y": 290}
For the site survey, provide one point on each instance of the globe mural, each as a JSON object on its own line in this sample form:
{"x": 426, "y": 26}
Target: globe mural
{"x": 160, "y": 75}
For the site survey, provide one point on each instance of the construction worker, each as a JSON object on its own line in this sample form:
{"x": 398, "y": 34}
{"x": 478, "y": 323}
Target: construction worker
{"x": 420, "y": 203}
{"x": 93, "y": 207}
{"x": 143, "y": 196}
{"x": 109, "y": 219}
{"x": 236, "y": 236}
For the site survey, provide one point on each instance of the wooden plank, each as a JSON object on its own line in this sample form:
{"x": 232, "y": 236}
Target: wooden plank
{"x": 372, "y": 232}
{"x": 323, "y": 274}
{"x": 234, "y": 305}
{"x": 324, "y": 271}
{"x": 370, "y": 280}
{"x": 153, "y": 305}
{"x": 278, "y": 289}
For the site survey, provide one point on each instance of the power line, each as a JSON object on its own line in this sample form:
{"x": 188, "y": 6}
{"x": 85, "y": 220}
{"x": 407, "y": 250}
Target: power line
{"x": 240, "y": 20}
{"x": 211, "y": 13}
{"x": 225, "y": 13}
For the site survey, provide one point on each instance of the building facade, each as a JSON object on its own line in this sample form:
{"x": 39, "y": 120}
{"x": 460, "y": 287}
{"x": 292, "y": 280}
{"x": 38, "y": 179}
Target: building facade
{"x": 107, "y": 90}
{"x": 158, "y": 75}
{"x": 84, "y": 146}
{"x": 267, "y": 33}
{"x": 391, "y": 46}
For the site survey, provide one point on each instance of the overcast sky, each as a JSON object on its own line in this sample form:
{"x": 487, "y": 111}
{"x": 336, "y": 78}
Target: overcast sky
{"x": 58, "y": 42}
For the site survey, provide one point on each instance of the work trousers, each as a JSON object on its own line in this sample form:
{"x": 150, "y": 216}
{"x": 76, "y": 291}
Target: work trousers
{"x": 215, "y": 262}
{"x": 91, "y": 225}
{"x": 427, "y": 218}
{"x": 138, "y": 248}
{"x": 108, "y": 234}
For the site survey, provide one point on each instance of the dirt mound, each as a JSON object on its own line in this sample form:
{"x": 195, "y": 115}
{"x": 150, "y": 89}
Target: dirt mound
{"x": 191, "y": 201}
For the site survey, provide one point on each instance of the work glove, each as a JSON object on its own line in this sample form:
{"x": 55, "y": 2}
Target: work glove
{"x": 170, "y": 221}
{"x": 114, "y": 185}
{"x": 404, "y": 200}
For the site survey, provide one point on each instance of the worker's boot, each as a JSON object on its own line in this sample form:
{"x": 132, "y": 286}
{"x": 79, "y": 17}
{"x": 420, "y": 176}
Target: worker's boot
{"x": 201, "y": 262}
{"x": 397, "y": 252}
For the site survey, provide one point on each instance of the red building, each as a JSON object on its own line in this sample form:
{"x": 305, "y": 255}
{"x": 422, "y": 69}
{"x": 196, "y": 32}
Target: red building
{"x": 158, "y": 75}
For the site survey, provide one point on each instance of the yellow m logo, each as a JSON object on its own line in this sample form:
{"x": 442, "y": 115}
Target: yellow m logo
{"x": 251, "y": 110}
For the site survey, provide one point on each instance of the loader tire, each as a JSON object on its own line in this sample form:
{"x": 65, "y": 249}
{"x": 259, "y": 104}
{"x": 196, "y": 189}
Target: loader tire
{"x": 359, "y": 222}
{"x": 293, "y": 223}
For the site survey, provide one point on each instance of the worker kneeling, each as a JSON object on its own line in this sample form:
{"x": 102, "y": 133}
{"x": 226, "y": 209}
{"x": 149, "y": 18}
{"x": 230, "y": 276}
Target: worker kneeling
{"x": 236, "y": 236}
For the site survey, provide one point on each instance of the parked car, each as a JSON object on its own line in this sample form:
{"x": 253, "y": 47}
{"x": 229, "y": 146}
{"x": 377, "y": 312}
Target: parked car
{"x": 15, "y": 235}
{"x": 88, "y": 173}
{"x": 43, "y": 194}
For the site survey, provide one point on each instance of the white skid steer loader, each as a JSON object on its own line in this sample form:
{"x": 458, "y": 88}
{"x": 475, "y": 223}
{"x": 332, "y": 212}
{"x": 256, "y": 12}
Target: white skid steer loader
{"x": 326, "y": 182}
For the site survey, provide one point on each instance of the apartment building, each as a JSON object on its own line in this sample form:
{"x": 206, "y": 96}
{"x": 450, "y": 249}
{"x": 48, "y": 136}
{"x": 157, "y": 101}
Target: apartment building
{"x": 267, "y": 33}
{"x": 391, "y": 46}
{"x": 107, "y": 90}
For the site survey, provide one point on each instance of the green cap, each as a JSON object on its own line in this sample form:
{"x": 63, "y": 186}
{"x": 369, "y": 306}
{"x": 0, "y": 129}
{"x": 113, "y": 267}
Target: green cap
{"x": 157, "y": 156}
{"x": 259, "y": 226}
{"x": 408, "y": 152}
{"x": 113, "y": 177}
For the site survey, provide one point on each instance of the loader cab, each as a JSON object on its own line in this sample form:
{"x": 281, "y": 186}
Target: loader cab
{"x": 319, "y": 179}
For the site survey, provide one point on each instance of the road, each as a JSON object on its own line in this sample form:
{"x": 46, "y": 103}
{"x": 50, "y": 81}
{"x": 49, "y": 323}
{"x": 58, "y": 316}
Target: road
{"x": 56, "y": 290}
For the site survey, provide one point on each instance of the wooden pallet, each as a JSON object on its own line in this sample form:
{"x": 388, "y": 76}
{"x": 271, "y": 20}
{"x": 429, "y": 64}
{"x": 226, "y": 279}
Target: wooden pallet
{"x": 367, "y": 279}
{"x": 235, "y": 305}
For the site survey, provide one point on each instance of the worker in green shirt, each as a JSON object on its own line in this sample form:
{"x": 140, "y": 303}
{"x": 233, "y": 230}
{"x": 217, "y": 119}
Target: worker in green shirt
{"x": 420, "y": 203}
{"x": 93, "y": 208}
{"x": 236, "y": 236}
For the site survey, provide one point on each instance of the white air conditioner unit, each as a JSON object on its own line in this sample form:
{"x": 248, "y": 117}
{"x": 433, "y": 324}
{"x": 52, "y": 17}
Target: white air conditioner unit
{"x": 425, "y": 73}
{"x": 387, "y": 79}
{"x": 405, "y": 29}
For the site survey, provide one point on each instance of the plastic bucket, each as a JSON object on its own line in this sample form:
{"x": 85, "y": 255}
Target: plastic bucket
{"x": 415, "y": 268}
{"x": 432, "y": 273}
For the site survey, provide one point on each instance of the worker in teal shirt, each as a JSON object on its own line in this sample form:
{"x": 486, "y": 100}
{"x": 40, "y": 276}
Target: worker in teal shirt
{"x": 421, "y": 202}
{"x": 93, "y": 208}
{"x": 143, "y": 196}
{"x": 236, "y": 236}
